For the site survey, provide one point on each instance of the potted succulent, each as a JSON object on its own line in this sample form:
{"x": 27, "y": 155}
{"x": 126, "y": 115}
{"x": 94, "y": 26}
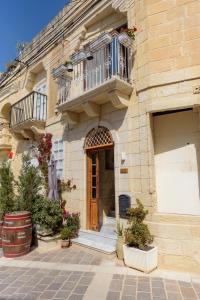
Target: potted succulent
{"x": 138, "y": 253}
{"x": 67, "y": 233}
{"x": 120, "y": 241}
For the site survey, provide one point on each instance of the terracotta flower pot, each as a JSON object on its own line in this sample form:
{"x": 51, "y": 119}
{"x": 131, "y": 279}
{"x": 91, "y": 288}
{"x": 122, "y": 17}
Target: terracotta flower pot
{"x": 65, "y": 243}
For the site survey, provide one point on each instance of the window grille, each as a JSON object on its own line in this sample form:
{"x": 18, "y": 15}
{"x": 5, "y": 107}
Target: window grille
{"x": 58, "y": 155}
{"x": 98, "y": 137}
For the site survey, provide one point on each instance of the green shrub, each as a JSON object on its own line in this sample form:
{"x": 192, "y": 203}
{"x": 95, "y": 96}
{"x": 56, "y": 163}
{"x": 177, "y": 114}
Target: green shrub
{"x": 67, "y": 233}
{"x": 73, "y": 221}
{"x": 137, "y": 234}
{"x": 7, "y": 195}
{"x": 29, "y": 185}
{"x": 48, "y": 214}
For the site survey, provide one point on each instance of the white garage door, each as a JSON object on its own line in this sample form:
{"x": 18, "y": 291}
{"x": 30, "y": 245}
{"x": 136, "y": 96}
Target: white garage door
{"x": 176, "y": 142}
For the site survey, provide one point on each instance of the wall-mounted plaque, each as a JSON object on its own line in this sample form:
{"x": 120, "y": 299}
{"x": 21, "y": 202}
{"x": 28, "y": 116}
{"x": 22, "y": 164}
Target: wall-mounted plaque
{"x": 124, "y": 170}
{"x": 124, "y": 204}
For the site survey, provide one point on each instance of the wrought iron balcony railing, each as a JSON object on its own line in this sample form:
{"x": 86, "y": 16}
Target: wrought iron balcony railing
{"x": 32, "y": 107}
{"x": 112, "y": 60}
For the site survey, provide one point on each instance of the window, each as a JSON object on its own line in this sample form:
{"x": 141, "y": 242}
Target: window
{"x": 58, "y": 154}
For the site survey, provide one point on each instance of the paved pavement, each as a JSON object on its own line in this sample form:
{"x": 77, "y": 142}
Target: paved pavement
{"x": 78, "y": 273}
{"x": 73, "y": 255}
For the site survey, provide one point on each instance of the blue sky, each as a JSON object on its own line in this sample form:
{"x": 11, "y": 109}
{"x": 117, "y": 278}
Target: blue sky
{"x": 21, "y": 20}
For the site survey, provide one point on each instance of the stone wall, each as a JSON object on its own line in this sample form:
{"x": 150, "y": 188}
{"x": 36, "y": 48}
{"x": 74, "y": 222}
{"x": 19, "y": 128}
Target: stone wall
{"x": 166, "y": 69}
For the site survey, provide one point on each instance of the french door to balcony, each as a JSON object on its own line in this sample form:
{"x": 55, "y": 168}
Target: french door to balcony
{"x": 39, "y": 111}
{"x": 111, "y": 60}
{"x": 93, "y": 190}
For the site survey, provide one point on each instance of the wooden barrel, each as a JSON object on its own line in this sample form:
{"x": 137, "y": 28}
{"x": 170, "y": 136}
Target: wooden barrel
{"x": 16, "y": 234}
{"x": 1, "y": 225}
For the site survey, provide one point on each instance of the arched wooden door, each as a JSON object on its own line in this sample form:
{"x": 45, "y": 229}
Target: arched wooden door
{"x": 97, "y": 139}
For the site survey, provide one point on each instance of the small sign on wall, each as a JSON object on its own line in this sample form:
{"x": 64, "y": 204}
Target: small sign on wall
{"x": 124, "y": 171}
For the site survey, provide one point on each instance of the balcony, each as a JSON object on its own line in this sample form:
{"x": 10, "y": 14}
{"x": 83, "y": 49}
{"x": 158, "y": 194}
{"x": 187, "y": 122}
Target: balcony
{"x": 103, "y": 78}
{"x": 28, "y": 116}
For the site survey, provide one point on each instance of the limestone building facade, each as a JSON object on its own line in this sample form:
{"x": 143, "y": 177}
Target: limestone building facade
{"x": 124, "y": 114}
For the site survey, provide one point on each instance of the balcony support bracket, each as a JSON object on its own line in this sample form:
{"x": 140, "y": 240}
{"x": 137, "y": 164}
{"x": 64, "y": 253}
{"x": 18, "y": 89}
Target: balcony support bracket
{"x": 71, "y": 117}
{"x": 91, "y": 109}
{"x": 118, "y": 99}
{"x": 37, "y": 131}
{"x": 26, "y": 134}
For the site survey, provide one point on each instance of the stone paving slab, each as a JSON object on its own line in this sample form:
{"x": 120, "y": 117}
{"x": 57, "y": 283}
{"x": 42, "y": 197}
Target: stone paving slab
{"x": 25, "y": 283}
{"x": 149, "y": 288}
{"x": 32, "y": 284}
{"x": 51, "y": 275}
{"x": 73, "y": 255}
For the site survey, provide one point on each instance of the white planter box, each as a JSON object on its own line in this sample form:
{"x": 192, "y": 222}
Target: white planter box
{"x": 78, "y": 57}
{"x": 100, "y": 42}
{"x": 145, "y": 261}
{"x": 125, "y": 40}
{"x": 60, "y": 71}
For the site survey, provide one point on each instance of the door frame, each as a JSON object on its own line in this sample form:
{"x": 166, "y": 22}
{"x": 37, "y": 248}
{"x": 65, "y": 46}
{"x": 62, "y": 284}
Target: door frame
{"x": 88, "y": 183}
{"x": 89, "y": 187}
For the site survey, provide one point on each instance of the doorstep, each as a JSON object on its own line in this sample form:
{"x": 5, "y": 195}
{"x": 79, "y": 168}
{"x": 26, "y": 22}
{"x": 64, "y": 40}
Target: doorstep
{"x": 100, "y": 241}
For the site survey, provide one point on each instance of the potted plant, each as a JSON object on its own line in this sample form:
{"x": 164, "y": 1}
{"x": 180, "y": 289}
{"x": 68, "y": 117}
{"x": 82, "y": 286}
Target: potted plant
{"x": 67, "y": 233}
{"x": 127, "y": 36}
{"x": 120, "y": 241}
{"x": 138, "y": 253}
{"x": 72, "y": 220}
{"x": 7, "y": 195}
{"x": 48, "y": 216}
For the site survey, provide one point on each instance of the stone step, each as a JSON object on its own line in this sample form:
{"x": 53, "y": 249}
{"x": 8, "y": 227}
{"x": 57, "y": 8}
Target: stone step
{"x": 108, "y": 230}
{"x": 102, "y": 242}
{"x": 110, "y": 220}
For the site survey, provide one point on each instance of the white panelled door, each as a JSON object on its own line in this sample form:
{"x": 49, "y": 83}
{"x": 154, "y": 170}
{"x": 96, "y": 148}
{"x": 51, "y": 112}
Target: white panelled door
{"x": 177, "y": 166}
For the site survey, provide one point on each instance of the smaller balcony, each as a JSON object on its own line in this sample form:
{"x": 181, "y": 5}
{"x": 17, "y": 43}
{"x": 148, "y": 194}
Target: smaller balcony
{"x": 5, "y": 137}
{"x": 28, "y": 116}
{"x": 101, "y": 73}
